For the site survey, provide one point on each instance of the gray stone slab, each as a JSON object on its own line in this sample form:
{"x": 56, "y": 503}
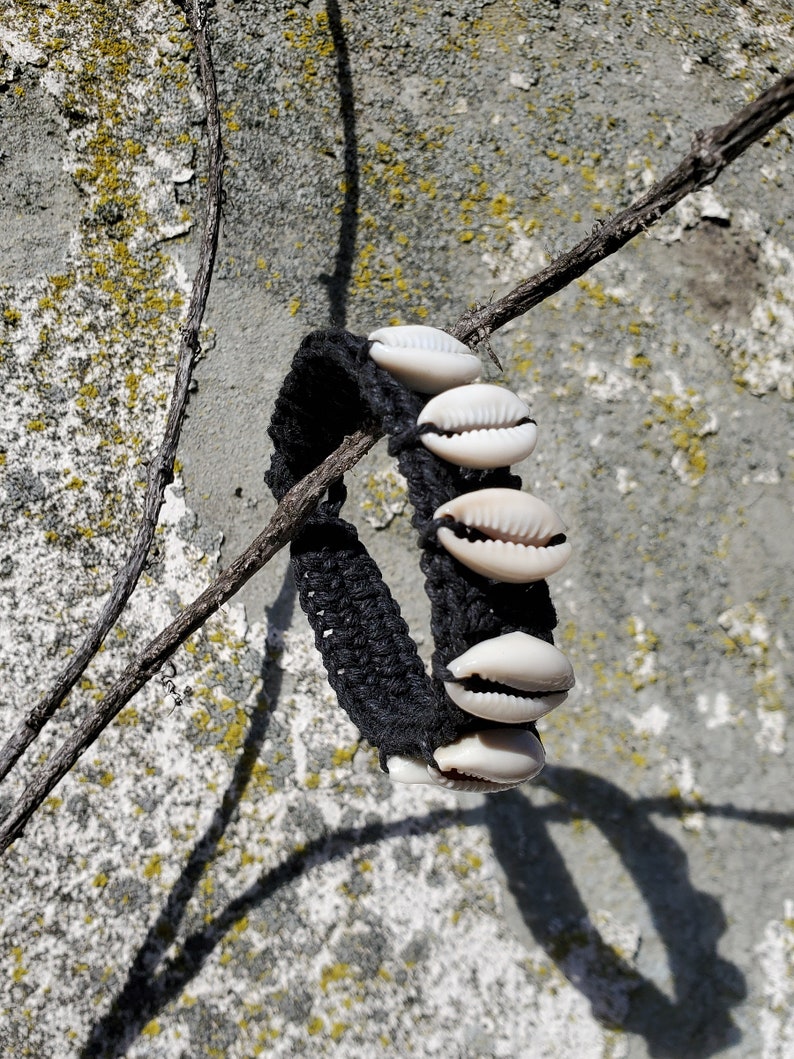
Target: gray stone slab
{"x": 226, "y": 872}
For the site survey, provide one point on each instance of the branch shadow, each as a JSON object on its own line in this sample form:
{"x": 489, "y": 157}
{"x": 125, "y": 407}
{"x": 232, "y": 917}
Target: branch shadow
{"x": 148, "y": 990}
{"x": 338, "y": 282}
{"x": 113, "y": 1034}
{"x": 697, "y": 1022}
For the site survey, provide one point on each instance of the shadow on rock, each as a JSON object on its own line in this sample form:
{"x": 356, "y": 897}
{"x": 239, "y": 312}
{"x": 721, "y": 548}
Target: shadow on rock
{"x": 154, "y": 979}
{"x": 338, "y": 282}
{"x": 154, "y": 982}
{"x": 697, "y": 1022}
{"x": 137, "y": 1002}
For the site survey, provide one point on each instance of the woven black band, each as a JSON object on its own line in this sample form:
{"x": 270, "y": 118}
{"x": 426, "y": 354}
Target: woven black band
{"x": 333, "y": 389}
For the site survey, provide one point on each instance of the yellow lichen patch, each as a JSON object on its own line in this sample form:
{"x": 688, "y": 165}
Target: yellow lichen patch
{"x": 153, "y": 867}
{"x": 683, "y": 416}
{"x": 641, "y": 662}
{"x": 428, "y": 186}
{"x": 228, "y": 115}
{"x": 523, "y": 361}
{"x": 311, "y": 36}
{"x": 387, "y": 496}
{"x": 240, "y": 926}
{"x": 261, "y": 780}
{"x": 595, "y": 294}
{"x": 234, "y": 736}
{"x": 468, "y": 862}
{"x": 132, "y": 382}
{"x": 344, "y": 755}
{"x": 501, "y": 206}
{"x": 381, "y": 277}
{"x": 19, "y": 970}
{"x": 116, "y": 283}
{"x": 315, "y": 1026}
{"x": 747, "y": 634}
{"x": 334, "y": 973}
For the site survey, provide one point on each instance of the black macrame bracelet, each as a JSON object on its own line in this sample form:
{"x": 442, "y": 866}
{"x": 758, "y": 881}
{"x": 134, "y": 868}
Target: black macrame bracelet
{"x": 333, "y": 389}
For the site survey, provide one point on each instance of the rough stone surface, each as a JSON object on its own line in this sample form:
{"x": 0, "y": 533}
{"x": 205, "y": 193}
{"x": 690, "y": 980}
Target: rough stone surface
{"x": 226, "y": 872}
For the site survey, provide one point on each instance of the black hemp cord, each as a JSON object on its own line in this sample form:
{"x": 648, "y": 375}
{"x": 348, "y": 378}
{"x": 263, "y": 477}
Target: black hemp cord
{"x": 333, "y": 389}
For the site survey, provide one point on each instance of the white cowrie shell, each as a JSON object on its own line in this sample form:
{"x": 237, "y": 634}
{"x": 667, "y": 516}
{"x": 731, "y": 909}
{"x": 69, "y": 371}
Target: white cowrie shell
{"x": 404, "y": 769}
{"x": 499, "y": 706}
{"x": 521, "y": 661}
{"x": 412, "y": 770}
{"x": 461, "y": 785}
{"x": 518, "y": 527}
{"x": 480, "y": 426}
{"x": 501, "y": 757}
{"x": 422, "y": 358}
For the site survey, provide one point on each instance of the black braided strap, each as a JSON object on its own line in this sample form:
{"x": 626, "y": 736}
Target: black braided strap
{"x": 333, "y": 389}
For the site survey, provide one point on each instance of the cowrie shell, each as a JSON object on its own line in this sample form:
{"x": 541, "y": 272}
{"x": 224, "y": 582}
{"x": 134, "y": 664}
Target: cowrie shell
{"x": 518, "y": 528}
{"x": 500, "y": 757}
{"x": 479, "y": 426}
{"x": 521, "y": 661}
{"x": 404, "y": 769}
{"x": 466, "y": 785}
{"x": 422, "y": 358}
{"x": 483, "y": 763}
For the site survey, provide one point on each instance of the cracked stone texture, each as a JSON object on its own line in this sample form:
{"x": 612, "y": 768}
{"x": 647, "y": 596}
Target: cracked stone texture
{"x": 226, "y": 872}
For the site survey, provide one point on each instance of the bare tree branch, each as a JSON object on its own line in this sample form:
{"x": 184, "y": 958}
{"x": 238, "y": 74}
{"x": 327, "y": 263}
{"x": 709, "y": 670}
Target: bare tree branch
{"x": 711, "y": 152}
{"x": 161, "y": 469}
{"x": 289, "y": 516}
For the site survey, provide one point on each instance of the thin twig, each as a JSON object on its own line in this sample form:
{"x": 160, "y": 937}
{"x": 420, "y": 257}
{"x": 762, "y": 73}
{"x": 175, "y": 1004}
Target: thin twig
{"x": 711, "y": 152}
{"x": 161, "y": 469}
{"x": 287, "y": 519}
